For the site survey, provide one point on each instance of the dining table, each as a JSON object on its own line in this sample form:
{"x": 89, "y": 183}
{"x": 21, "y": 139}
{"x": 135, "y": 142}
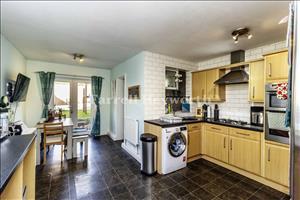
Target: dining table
{"x": 68, "y": 127}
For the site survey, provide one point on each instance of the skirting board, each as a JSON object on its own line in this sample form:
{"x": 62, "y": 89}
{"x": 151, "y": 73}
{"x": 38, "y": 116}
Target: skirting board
{"x": 132, "y": 153}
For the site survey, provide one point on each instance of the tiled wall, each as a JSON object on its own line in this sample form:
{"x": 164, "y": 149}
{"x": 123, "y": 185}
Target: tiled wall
{"x": 237, "y": 105}
{"x": 154, "y": 85}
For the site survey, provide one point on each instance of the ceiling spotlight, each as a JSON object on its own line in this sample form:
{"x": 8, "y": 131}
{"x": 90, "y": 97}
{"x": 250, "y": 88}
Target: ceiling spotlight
{"x": 239, "y": 33}
{"x": 284, "y": 20}
{"x": 79, "y": 57}
{"x": 249, "y": 36}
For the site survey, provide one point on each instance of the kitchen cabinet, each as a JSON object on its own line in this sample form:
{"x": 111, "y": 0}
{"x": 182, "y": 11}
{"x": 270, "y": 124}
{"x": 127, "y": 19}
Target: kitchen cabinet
{"x": 22, "y": 183}
{"x": 256, "y": 81}
{"x": 214, "y": 92}
{"x": 245, "y": 150}
{"x": 194, "y": 140}
{"x": 276, "y": 67}
{"x": 277, "y": 163}
{"x": 203, "y": 87}
{"x": 216, "y": 142}
{"x": 199, "y": 86}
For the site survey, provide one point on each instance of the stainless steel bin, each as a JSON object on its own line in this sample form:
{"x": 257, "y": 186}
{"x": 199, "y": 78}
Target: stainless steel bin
{"x": 148, "y": 166}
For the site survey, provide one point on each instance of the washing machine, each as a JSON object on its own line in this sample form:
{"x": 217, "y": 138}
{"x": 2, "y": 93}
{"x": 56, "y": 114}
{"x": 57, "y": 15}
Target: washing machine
{"x": 174, "y": 148}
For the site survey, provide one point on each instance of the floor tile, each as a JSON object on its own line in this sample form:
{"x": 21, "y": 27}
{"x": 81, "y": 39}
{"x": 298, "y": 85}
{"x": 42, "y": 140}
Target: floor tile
{"x": 111, "y": 173}
{"x": 178, "y": 191}
{"x": 203, "y": 194}
{"x": 214, "y": 189}
{"x": 116, "y": 190}
{"x": 199, "y": 180}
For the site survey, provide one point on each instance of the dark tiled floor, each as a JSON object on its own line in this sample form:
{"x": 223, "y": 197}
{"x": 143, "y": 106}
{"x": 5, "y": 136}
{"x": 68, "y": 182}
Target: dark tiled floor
{"x": 110, "y": 173}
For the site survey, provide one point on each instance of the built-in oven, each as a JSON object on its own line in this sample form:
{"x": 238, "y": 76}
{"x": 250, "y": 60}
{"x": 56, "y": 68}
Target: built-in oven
{"x": 271, "y": 100}
{"x": 275, "y": 109}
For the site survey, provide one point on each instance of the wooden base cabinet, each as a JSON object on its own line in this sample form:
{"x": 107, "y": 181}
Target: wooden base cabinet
{"x": 245, "y": 154}
{"x": 216, "y": 145}
{"x": 194, "y": 140}
{"x": 22, "y": 183}
{"x": 277, "y": 163}
{"x": 244, "y": 150}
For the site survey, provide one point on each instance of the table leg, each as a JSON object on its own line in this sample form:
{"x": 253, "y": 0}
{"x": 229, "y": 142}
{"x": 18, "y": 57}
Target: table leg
{"x": 69, "y": 143}
{"x": 38, "y": 149}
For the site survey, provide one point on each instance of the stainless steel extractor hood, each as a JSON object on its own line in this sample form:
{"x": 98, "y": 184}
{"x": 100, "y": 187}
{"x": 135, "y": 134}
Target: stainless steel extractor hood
{"x": 236, "y": 74}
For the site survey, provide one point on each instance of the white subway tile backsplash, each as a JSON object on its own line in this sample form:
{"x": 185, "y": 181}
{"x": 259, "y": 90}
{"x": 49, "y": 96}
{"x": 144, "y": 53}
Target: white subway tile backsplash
{"x": 236, "y": 105}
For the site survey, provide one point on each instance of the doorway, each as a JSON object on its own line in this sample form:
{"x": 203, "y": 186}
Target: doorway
{"x": 118, "y": 108}
{"x": 73, "y": 96}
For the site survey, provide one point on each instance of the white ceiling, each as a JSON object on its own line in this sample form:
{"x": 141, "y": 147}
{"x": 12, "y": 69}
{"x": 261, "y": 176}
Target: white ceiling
{"x": 110, "y": 32}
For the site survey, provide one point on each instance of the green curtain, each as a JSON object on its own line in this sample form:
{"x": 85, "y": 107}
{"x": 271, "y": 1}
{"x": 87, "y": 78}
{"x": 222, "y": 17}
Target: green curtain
{"x": 47, "y": 84}
{"x": 96, "y": 92}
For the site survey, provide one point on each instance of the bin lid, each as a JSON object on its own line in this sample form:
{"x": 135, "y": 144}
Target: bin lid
{"x": 148, "y": 137}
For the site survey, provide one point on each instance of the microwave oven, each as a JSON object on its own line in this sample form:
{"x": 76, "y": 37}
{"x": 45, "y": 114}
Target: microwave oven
{"x": 271, "y": 101}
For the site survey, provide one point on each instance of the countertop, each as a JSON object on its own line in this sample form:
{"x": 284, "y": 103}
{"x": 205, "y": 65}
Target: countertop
{"x": 13, "y": 151}
{"x": 163, "y": 124}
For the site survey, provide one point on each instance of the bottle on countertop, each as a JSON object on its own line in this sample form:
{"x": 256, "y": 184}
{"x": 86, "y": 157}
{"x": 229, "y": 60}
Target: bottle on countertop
{"x": 216, "y": 112}
{"x": 204, "y": 110}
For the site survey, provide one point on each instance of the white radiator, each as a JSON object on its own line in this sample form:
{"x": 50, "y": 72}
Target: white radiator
{"x": 131, "y": 132}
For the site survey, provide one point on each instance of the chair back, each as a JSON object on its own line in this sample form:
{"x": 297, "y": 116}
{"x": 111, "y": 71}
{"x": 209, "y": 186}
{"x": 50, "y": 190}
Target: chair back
{"x": 53, "y": 128}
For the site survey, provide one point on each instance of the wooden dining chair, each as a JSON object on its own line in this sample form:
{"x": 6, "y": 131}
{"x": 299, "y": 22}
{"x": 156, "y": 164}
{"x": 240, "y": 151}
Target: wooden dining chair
{"x": 54, "y": 135}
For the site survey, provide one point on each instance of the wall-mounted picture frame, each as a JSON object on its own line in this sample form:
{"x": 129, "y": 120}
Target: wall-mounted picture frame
{"x": 199, "y": 112}
{"x": 134, "y": 92}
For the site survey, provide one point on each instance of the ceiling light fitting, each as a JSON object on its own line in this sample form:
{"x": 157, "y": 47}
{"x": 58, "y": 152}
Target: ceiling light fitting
{"x": 79, "y": 57}
{"x": 239, "y": 33}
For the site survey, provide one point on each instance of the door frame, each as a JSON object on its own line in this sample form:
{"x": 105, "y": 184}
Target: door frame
{"x": 73, "y": 94}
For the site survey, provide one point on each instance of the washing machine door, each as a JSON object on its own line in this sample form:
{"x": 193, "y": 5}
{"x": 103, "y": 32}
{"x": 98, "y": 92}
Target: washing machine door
{"x": 177, "y": 144}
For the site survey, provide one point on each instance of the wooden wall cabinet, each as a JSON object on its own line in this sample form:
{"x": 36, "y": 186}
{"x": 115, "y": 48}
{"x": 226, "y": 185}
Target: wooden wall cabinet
{"x": 256, "y": 81}
{"x": 199, "y": 86}
{"x": 214, "y": 92}
{"x": 276, "y": 67}
{"x": 245, "y": 150}
{"x": 194, "y": 140}
{"x": 277, "y": 158}
{"x": 203, "y": 87}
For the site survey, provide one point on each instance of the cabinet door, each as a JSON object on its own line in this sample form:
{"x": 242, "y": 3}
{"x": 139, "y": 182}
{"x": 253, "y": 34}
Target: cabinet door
{"x": 195, "y": 86}
{"x": 277, "y": 163}
{"x": 256, "y": 81}
{"x": 199, "y": 86}
{"x": 194, "y": 143}
{"x": 276, "y": 66}
{"x": 214, "y": 92}
{"x": 216, "y": 145}
{"x": 245, "y": 154}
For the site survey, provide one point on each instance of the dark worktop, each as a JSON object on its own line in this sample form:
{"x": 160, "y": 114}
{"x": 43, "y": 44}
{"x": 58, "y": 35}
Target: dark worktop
{"x": 163, "y": 124}
{"x": 13, "y": 150}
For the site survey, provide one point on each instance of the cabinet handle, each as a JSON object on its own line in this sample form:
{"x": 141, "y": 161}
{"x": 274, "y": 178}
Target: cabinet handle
{"x": 214, "y": 91}
{"x": 253, "y": 92}
{"x": 215, "y": 128}
{"x": 224, "y": 142}
{"x": 188, "y": 139}
{"x": 269, "y": 156}
{"x": 270, "y": 68}
{"x": 202, "y": 93}
{"x": 230, "y": 144}
{"x": 245, "y": 134}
